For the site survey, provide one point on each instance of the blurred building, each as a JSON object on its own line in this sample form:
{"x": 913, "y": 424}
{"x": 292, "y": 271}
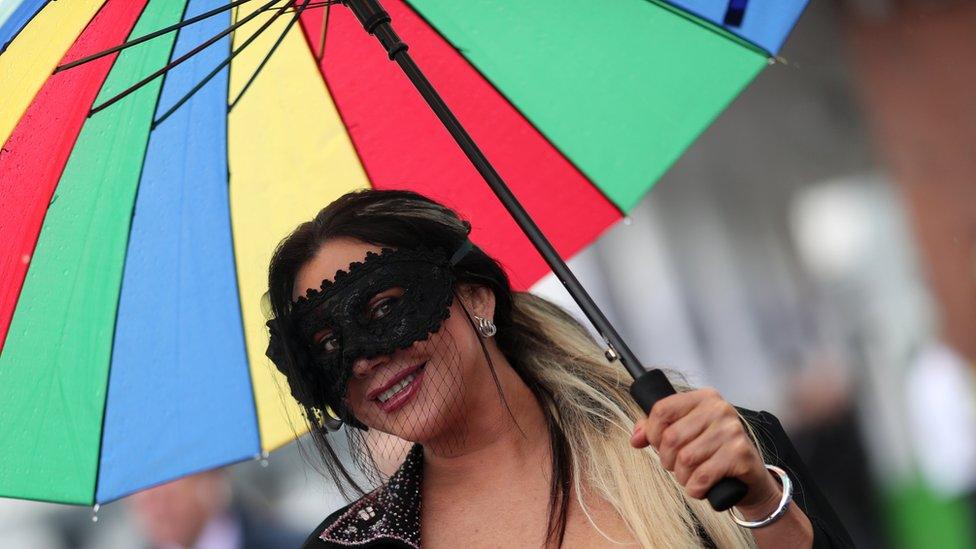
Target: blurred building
{"x": 915, "y": 72}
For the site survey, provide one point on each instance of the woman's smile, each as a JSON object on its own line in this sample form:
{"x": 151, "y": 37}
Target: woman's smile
{"x": 396, "y": 392}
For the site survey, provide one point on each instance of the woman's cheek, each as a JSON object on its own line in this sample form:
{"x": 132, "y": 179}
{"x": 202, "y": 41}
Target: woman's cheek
{"x": 355, "y": 397}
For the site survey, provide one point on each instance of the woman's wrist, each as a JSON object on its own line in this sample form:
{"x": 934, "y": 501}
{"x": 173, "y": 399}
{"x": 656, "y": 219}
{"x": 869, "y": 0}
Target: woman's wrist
{"x": 766, "y": 501}
{"x": 770, "y": 501}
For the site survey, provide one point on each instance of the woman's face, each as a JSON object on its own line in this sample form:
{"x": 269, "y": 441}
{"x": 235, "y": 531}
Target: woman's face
{"x": 420, "y": 393}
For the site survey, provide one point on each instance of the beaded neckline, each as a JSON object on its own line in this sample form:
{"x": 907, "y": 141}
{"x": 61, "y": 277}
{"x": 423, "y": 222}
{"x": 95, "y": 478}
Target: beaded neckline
{"x": 392, "y": 511}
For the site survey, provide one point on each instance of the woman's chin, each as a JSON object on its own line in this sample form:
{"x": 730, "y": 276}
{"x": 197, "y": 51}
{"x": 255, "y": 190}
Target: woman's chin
{"x": 422, "y": 434}
{"x": 424, "y": 430}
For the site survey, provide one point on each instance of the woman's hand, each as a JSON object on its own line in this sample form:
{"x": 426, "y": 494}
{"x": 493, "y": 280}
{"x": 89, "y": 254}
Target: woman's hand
{"x": 700, "y": 438}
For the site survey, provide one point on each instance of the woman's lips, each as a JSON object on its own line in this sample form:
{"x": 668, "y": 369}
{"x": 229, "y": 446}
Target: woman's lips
{"x": 404, "y": 395}
{"x": 377, "y": 391}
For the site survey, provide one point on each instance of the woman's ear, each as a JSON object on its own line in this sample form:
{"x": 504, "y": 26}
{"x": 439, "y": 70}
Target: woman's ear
{"x": 479, "y": 300}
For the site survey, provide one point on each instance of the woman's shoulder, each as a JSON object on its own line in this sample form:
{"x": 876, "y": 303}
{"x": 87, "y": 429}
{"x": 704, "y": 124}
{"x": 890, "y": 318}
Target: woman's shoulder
{"x": 388, "y": 516}
{"x": 313, "y": 539}
{"x": 372, "y": 521}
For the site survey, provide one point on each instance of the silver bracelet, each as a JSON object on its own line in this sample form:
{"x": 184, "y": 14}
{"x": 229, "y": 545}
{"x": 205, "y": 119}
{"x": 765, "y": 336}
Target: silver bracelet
{"x": 784, "y": 502}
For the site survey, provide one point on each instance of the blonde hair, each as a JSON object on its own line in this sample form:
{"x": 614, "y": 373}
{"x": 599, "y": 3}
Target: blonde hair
{"x": 591, "y": 405}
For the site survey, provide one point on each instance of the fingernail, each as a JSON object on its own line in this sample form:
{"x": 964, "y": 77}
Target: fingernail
{"x": 636, "y": 436}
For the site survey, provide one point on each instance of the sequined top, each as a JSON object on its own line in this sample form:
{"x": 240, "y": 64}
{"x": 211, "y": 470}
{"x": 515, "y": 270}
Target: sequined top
{"x": 390, "y": 515}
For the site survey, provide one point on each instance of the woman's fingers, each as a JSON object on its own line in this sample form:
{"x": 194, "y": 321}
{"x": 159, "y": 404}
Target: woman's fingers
{"x": 676, "y": 420}
{"x": 701, "y": 439}
{"x": 690, "y": 456}
{"x": 669, "y": 410}
{"x": 733, "y": 459}
{"x": 679, "y": 434}
{"x": 663, "y": 413}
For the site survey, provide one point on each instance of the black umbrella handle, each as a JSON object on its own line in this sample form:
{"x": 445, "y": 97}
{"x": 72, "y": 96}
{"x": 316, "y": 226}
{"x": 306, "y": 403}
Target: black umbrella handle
{"x": 648, "y": 388}
{"x": 652, "y": 387}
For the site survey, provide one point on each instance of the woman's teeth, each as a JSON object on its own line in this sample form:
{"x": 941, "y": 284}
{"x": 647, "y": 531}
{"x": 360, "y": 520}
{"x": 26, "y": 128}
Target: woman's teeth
{"x": 388, "y": 394}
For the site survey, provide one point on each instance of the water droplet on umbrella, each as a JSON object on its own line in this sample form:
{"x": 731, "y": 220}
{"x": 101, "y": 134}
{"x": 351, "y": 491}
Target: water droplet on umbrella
{"x": 25, "y": 258}
{"x": 628, "y": 220}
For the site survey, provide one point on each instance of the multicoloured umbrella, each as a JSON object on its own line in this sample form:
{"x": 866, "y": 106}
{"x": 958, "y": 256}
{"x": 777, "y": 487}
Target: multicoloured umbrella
{"x": 134, "y": 241}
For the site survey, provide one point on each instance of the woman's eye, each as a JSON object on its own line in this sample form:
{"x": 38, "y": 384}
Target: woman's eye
{"x": 381, "y": 308}
{"x": 330, "y": 344}
{"x": 327, "y": 341}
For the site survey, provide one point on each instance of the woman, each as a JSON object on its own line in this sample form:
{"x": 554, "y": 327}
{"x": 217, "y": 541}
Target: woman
{"x": 388, "y": 319}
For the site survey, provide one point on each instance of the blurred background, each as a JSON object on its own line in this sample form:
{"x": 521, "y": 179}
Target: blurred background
{"x": 813, "y": 255}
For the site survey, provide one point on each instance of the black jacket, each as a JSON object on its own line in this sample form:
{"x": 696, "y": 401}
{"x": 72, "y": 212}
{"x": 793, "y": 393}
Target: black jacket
{"x": 390, "y": 516}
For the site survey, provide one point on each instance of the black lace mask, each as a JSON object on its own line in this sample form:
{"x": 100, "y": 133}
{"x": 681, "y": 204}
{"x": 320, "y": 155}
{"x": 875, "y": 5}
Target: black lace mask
{"x": 388, "y": 301}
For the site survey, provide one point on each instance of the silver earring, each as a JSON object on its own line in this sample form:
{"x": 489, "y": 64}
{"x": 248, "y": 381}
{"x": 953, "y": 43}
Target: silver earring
{"x": 486, "y": 327}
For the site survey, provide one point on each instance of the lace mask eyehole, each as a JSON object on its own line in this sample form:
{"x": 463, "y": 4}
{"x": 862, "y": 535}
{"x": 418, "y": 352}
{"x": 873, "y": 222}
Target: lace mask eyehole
{"x": 383, "y": 303}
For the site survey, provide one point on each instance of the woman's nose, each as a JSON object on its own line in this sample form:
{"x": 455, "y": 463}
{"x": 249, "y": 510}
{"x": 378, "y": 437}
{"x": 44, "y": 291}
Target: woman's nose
{"x": 362, "y": 367}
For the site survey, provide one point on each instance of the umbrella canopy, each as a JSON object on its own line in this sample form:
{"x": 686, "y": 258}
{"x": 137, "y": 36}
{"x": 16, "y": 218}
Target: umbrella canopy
{"x": 134, "y": 242}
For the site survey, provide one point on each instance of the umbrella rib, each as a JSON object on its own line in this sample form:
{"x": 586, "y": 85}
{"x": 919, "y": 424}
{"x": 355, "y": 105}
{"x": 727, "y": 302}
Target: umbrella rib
{"x": 180, "y": 60}
{"x": 267, "y": 57}
{"x": 150, "y": 36}
{"x": 735, "y": 13}
{"x": 230, "y": 57}
{"x": 319, "y": 4}
{"x": 325, "y": 29}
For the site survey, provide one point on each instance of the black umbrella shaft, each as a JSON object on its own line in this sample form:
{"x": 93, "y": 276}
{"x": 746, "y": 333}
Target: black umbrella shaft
{"x": 377, "y": 22}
